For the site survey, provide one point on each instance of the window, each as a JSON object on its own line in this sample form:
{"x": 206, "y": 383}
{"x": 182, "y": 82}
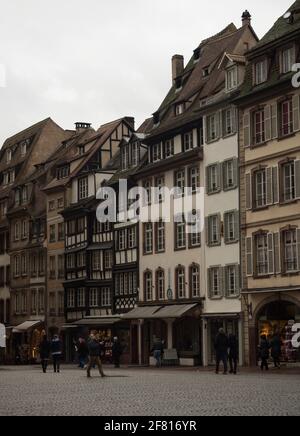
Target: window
{"x": 180, "y": 235}
{"x": 81, "y": 260}
{"x": 81, "y": 297}
{"x": 132, "y": 237}
{"x": 24, "y": 264}
{"x": 34, "y": 302}
{"x": 51, "y": 205}
{"x": 135, "y": 154}
{"x": 188, "y": 141}
{"x": 23, "y": 302}
{"x": 3, "y": 209}
{"x": 195, "y": 281}
{"x": 83, "y": 189}
{"x": 17, "y": 231}
{"x": 61, "y": 266}
{"x": 25, "y": 194}
{"x": 231, "y": 224}
{"x": 212, "y": 127}
{"x": 289, "y": 187}
{"x": 148, "y": 286}
{"x": 213, "y": 179}
{"x": 52, "y": 232}
{"x": 148, "y": 238}
{"x": 179, "y": 108}
{"x": 147, "y": 185}
{"x": 169, "y": 148}
{"x": 122, "y": 240}
{"x": 70, "y": 261}
{"x": 81, "y": 225}
{"x": 17, "y": 198}
{"x": 287, "y": 60}
{"x": 259, "y": 127}
{"x": 214, "y": 230}
{"x": 24, "y": 229}
{"x": 63, "y": 172}
{"x": 61, "y": 303}
{"x": 41, "y": 264}
{"x": 125, "y": 158}
{"x": 194, "y": 179}
{"x": 262, "y": 267}
{"x": 160, "y": 236}
{"x": 229, "y": 121}
{"x": 290, "y": 251}
{"x": 71, "y": 226}
{"x": 93, "y": 297}
{"x": 195, "y": 235}
{"x": 180, "y": 180}
{"x": 156, "y": 152}
{"x": 160, "y": 283}
{"x": 81, "y": 150}
{"x": 61, "y": 231}
{"x": 261, "y": 72}
{"x": 34, "y": 265}
{"x": 180, "y": 282}
{"x": 105, "y": 297}
{"x": 286, "y": 110}
{"x": 52, "y": 304}
{"x": 260, "y": 182}
{"x": 232, "y": 281}
{"x": 230, "y": 176}
{"x": 108, "y": 259}
{"x": 8, "y": 155}
{"x": 215, "y": 279}
{"x": 232, "y": 78}
{"x": 41, "y": 302}
{"x": 71, "y": 298}
{"x": 52, "y": 262}
{"x": 160, "y": 184}
{"x": 24, "y": 145}
{"x": 60, "y": 203}
{"x": 96, "y": 260}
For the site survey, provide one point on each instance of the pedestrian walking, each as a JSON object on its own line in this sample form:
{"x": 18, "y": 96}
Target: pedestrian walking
{"x": 56, "y": 352}
{"x": 276, "y": 349}
{"x": 94, "y": 348}
{"x": 233, "y": 353}
{"x": 158, "y": 350}
{"x": 117, "y": 351}
{"x": 83, "y": 352}
{"x": 264, "y": 349}
{"x": 45, "y": 349}
{"x": 221, "y": 347}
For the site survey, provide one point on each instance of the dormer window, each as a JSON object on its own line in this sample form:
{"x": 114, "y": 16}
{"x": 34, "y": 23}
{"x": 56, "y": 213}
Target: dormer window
{"x": 63, "y": 172}
{"x": 24, "y": 147}
{"x": 135, "y": 154}
{"x": 179, "y": 109}
{"x": 9, "y": 177}
{"x": 205, "y": 72}
{"x": 8, "y": 155}
{"x": 17, "y": 197}
{"x": 197, "y": 54}
{"x": 25, "y": 194}
{"x": 156, "y": 118}
{"x": 232, "y": 78}
{"x": 156, "y": 152}
{"x": 261, "y": 72}
{"x": 81, "y": 150}
{"x": 188, "y": 141}
{"x": 124, "y": 158}
{"x": 287, "y": 60}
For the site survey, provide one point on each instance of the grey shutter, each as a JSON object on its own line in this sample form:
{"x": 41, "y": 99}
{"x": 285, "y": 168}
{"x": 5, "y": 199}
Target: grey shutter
{"x": 226, "y": 280}
{"x": 268, "y": 128}
{"x": 207, "y": 231}
{"x": 270, "y": 253}
{"x": 219, "y": 228}
{"x": 249, "y": 256}
{"x": 274, "y": 121}
{"x": 247, "y": 129}
{"x": 248, "y": 179}
{"x": 218, "y": 124}
{"x": 298, "y": 247}
{"x": 207, "y": 130}
{"x": 296, "y": 113}
{"x": 221, "y": 282}
{"x": 209, "y": 282}
{"x": 277, "y": 257}
{"x": 208, "y": 180}
{"x": 234, "y": 119}
{"x": 219, "y": 173}
{"x": 275, "y": 182}
{"x": 236, "y": 172}
{"x": 237, "y": 225}
{"x": 226, "y": 235}
{"x": 269, "y": 186}
{"x": 237, "y": 280}
{"x": 297, "y": 178}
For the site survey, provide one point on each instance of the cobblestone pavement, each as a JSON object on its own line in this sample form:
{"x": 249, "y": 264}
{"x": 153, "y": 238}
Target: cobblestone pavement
{"x": 150, "y": 392}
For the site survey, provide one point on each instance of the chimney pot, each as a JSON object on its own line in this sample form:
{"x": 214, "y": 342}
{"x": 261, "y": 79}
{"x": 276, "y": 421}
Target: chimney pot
{"x": 246, "y": 18}
{"x": 177, "y": 67}
{"x": 82, "y": 126}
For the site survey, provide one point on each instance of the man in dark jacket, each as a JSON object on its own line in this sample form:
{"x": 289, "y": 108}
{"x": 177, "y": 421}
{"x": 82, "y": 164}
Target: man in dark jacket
{"x": 56, "y": 351}
{"x": 221, "y": 347}
{"x": 233, "y": 353}
{"x": 94, "y": 348}
{"x": 276, "y": 349}
{"x": 158, "y": 350}
{"x": 83, "y": 352}
{"x": 264, "y": 349}
{"x": 45, "y": 348}
{"x": 117, "y": 351}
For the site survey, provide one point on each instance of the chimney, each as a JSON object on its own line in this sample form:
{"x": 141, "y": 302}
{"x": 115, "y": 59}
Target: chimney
{"x": 82, "y": 126}
{"x": 177, "y": 67}
{"x": 246, "y": 18}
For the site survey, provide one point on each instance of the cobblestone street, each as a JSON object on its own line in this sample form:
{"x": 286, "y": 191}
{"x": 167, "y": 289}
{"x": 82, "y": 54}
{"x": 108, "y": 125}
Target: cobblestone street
{"x": 150, "y": 392}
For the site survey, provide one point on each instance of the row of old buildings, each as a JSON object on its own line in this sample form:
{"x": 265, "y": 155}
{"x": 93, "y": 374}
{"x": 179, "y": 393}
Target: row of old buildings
{"x": 229, "y": 124}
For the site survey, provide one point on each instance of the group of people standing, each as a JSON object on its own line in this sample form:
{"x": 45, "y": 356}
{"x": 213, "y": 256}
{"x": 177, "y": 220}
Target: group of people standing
{"x": 273, "y": 346}
{"x": 226, "y": 348}
{"x": 52, "y": 349}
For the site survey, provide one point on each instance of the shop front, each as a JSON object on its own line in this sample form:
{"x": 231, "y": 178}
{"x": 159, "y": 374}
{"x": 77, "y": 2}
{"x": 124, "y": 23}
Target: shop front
{"x": 26, "y": 339}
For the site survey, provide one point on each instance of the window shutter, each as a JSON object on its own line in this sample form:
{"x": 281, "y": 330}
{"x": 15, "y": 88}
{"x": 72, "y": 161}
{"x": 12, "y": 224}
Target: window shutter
{"x": 208, "y": 180}
{"x": 207, "y": 231}
{"x": 237, "y": 225}
{"x": 249, "y": 256}
{"x": 297, "y": 178}
{"x": 269, "y": 186}
{"x": 298, "y": 247}
{"x": 226, "y": 280}
{"x": 274, "y": 121}
{"x": 275, "y": 183}
{"x": 221, "y": 282}
{"x": 226, "y": 235}
{"x": 237, "y": 280}
{"x": 248, "y": 191}
{"x": 209, "y": 282}
{"x": 219, "y": 172}
{"x": 268, "y": 129}
{"x": 207, "y": 130}
{"x": 218, "y": 124}
{"x": 296, "y": 113}
{"x": 277, "y": 257}
{"x": 247, "y": 130}
{"x": 219, "y": 228}
{"x": 234, "y": 120}
{"x": 271, "y": 253}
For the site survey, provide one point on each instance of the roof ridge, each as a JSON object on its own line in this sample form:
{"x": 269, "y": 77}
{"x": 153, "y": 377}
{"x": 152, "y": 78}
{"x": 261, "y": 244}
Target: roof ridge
{"x": 227, "y": 31}
{"x": 36, "y": 125}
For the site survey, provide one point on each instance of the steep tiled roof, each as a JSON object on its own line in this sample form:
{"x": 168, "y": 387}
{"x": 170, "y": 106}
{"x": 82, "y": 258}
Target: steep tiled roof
{"x": 24, "y": 134}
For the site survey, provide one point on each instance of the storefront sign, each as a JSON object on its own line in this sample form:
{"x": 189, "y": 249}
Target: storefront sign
{"x": 2, "y": 336}
{"x": 296, "y": 337}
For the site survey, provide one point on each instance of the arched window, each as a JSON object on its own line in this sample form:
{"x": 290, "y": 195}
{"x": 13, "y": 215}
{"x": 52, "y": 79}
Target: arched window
{"x": 195, "y": 281}
{"x": 148, "y": 286}
{"x": 160, "y": 284}
{"x": 180, "y": 282}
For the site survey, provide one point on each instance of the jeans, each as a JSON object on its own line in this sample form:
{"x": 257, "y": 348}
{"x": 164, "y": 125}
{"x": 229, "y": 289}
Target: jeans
{"x": 233, "y": 364}
{"x": 157, "y": 357}
{"x": 222, "y": 357}
{"x": 95, "y": 360}
{"x": 56, "y": 362}
{"x": 82, "y": 361}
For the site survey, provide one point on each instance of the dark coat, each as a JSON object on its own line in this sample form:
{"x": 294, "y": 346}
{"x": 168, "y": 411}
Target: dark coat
{"x": 276, "y": 347}
{"x": 56, "y": 347}
{"x": 158, "y": 346}
{"x": 221, "y": 343}
{"x": 45, "y": 349}
{"x": 233, "y": 347}
{"x": 82, "y": 348}
{"x": 264, "y": 349}
{"x": 94, "y": 348}
{"x": 117, "y": 349}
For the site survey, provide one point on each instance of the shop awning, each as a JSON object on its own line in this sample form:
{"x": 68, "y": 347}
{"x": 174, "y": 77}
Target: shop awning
{"x": 221, "y": 315}
{"x": 173, "y": 311}
{"x": 101, "y": 321}
{"x": 25, "y": 326}
{"x": 145, "y": 312}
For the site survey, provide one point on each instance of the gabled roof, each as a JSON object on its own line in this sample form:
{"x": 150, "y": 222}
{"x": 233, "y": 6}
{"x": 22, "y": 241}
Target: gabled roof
{"x": 24, "y": 134}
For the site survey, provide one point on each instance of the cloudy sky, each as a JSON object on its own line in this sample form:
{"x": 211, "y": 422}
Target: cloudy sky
{"x": 95, "y": 60}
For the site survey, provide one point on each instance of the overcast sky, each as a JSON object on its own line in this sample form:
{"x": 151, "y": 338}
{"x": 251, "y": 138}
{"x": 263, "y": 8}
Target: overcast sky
{"x": 97, "y": 60}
